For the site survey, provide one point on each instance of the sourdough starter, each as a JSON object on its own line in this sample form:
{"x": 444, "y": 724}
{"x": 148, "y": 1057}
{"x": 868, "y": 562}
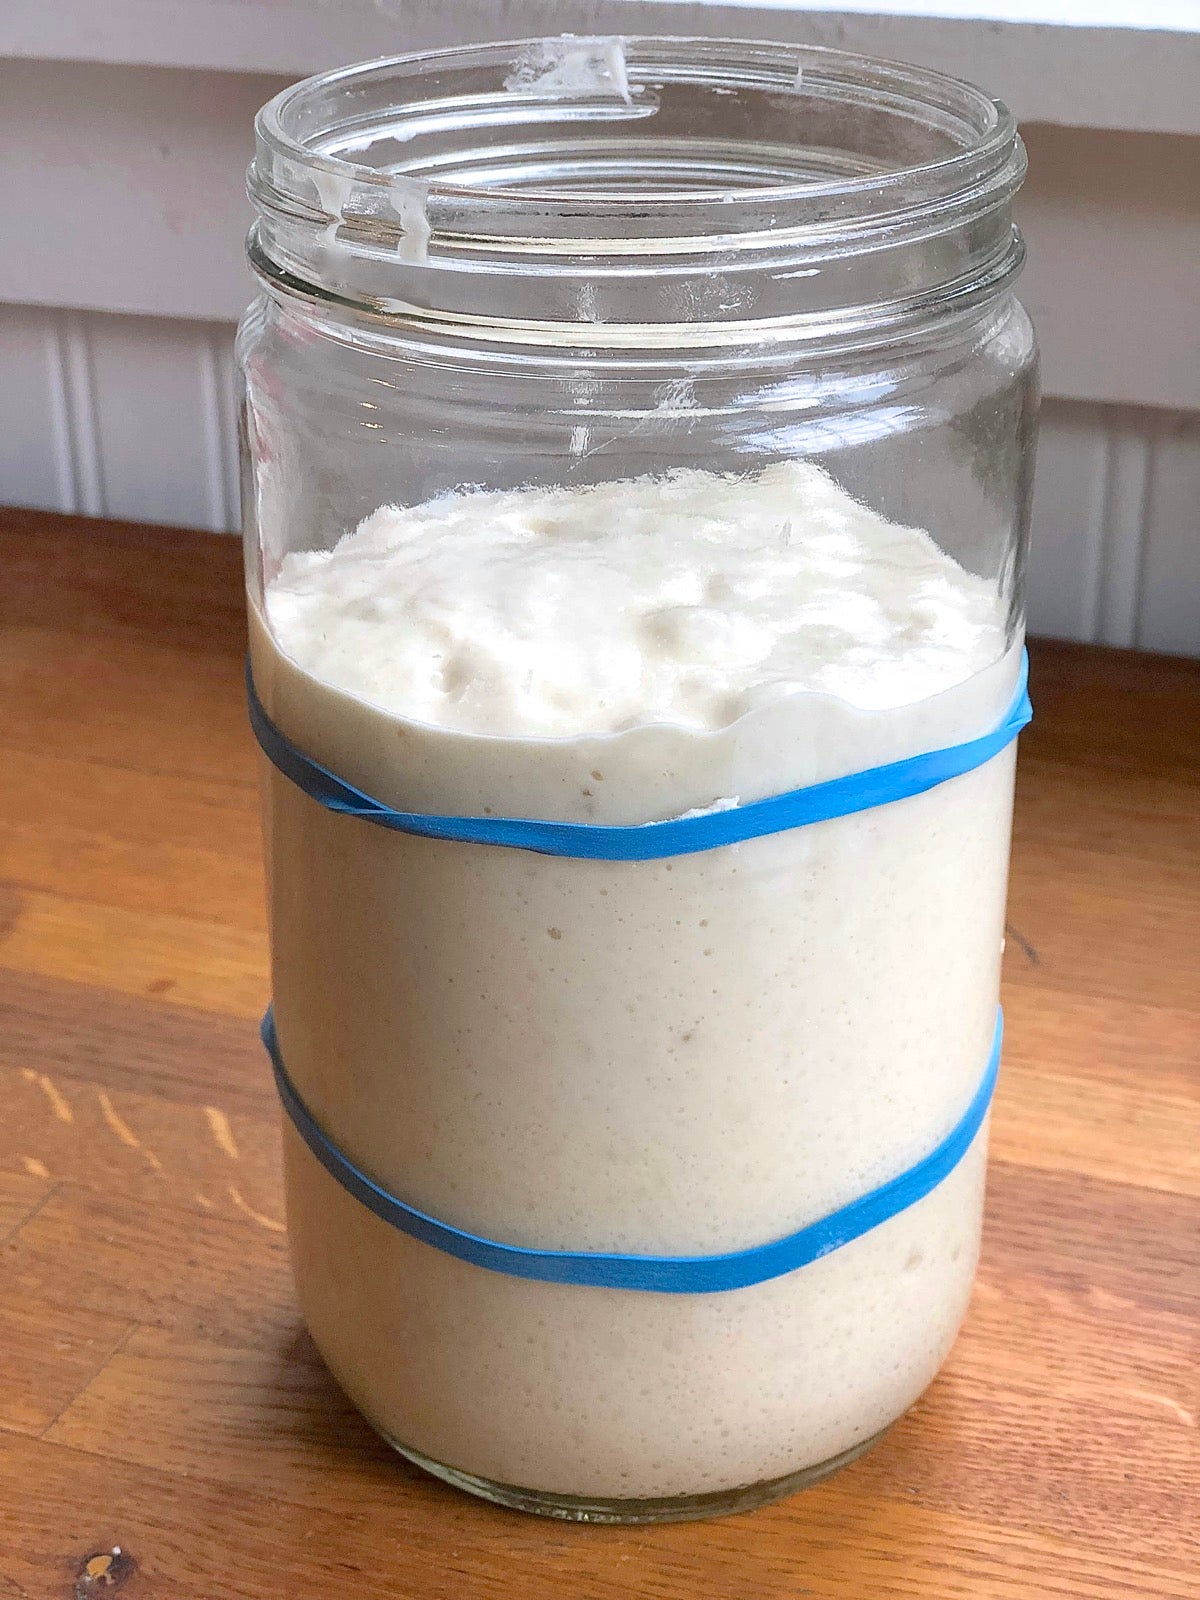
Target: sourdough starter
{"x": 691, "y": 1055}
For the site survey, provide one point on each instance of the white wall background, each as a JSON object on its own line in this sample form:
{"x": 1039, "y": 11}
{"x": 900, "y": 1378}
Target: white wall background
{"x": 121, "y": 270}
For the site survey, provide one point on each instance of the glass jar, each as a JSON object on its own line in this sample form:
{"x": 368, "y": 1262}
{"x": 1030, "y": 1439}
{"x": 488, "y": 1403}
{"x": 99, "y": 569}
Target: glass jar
{"x": 625, "y": 287}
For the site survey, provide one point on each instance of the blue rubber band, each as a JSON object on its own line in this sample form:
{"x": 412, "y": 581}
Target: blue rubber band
{"x": 657, "y": 1274}
{"x": 651, "y": 841}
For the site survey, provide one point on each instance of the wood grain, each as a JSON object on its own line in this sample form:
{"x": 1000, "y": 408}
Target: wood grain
{"x": 51, "y": 1353}
{"x": 21, "y": 1192}
{"x": 157, "y": 1392}
{"x": 126, "y": 1142}
{"x": 152, "y": 1263}
{"x": 1077, "y": 1098}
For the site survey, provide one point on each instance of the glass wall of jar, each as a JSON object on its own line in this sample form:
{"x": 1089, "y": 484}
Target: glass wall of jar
{"x": 693, "y": 374}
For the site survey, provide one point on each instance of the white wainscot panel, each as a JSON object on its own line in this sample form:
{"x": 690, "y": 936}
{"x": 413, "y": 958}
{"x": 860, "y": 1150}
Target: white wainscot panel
{"x": 1115, "y": 553}
{"x": 129, "y": 417}
{"x": 37, "y": 465}
{"x": 1168, "y": 611}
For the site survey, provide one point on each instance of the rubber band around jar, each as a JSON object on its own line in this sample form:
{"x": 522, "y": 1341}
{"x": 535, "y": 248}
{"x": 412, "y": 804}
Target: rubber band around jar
{"x": 650, "y": 841}
{"x": 699, "y": 1274}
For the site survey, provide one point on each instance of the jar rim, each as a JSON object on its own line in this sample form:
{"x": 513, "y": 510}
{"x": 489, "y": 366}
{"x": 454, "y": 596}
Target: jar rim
{"x": 416, "y": 161}
{"x": 281, "y": 123}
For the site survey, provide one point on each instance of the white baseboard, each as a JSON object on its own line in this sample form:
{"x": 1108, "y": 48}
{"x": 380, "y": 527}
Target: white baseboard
{"x": 133, "y": 417}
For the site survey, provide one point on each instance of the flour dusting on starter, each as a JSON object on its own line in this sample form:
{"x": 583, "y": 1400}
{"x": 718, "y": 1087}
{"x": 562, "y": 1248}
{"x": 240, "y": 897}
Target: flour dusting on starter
{"x": 688, "y": 599}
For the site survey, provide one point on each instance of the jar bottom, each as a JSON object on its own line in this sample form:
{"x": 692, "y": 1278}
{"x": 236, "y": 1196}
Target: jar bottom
{"x": 669, "y": 1508}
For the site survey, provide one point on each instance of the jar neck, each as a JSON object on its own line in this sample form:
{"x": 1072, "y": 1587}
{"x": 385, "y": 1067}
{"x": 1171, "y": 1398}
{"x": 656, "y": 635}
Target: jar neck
{"x": 638, "y": 195}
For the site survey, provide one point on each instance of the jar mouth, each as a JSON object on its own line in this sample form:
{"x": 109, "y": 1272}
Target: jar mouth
{"x": 626, "y": 174}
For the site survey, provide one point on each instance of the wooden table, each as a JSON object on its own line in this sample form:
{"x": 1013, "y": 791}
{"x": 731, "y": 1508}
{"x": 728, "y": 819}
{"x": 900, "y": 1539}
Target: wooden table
{"x": 158, "y": 1397}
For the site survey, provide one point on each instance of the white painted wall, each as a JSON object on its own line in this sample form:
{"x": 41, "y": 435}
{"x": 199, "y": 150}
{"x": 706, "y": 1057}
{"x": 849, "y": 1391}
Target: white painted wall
{"x": 124, "y": 134}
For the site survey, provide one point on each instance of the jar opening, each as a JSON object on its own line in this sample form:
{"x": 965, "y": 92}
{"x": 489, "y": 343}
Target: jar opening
{"x": 637, "y": 183}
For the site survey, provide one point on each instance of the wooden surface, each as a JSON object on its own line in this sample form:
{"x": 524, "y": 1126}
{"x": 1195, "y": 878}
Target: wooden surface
{"x": 158, "y": 1396}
